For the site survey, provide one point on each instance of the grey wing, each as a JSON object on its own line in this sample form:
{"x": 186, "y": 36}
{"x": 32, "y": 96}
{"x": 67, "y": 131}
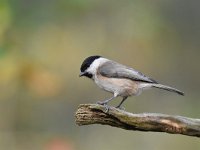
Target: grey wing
{"x": 115, "y": 70}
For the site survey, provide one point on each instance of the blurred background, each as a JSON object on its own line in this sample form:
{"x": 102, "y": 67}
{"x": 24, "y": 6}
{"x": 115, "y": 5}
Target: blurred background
{"x": 43, "y": 43}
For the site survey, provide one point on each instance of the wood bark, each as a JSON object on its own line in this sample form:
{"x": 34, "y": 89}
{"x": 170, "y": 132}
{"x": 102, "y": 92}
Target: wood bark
{"x": 97, "y": 114}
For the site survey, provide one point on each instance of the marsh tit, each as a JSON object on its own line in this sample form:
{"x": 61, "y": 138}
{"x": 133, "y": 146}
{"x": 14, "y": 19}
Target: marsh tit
{"x": 118, "y": 79}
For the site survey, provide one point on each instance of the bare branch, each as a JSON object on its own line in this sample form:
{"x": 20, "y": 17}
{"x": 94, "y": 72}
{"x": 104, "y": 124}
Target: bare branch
{"x": 96, "y": 114}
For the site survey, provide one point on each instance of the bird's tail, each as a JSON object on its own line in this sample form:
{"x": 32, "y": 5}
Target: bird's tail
{"x": 168, "y": 88}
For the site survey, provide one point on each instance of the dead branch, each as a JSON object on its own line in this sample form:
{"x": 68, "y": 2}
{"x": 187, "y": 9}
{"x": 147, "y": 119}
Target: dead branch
{"x": 96, "y": 114}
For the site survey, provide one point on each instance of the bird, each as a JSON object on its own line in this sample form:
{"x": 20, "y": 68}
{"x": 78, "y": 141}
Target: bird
{"x": 120, "y": 80}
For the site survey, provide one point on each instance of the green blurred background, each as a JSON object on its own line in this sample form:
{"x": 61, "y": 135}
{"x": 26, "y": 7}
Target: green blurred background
{"x": 43, "y": 43}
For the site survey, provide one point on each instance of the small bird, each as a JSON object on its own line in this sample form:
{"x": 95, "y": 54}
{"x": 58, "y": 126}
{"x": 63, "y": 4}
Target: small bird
{"x": 118, "y": 79}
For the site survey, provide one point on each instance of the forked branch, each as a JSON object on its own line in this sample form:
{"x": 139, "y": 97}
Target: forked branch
{"x": 96, "y": 114}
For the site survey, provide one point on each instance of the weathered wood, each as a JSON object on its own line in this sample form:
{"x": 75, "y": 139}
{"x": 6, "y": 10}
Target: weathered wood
{"x": 96, "y": 114}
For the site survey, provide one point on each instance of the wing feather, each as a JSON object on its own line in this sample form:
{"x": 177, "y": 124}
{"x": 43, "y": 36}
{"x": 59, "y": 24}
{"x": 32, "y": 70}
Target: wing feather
{"x": 115, "y": 70}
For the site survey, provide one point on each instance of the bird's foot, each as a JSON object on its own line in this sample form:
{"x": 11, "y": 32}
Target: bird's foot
{"x": 105, "y": 105}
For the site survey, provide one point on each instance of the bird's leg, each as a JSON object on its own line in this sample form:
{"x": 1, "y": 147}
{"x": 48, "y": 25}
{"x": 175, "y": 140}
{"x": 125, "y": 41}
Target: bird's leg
{"x": 105, "y": 102}
{"x": 119, "y": 106}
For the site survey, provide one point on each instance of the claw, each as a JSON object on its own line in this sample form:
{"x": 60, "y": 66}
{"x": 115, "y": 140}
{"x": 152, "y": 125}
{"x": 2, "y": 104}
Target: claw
{"x": 107, "y": 108}
{"x": 104, "y": 104}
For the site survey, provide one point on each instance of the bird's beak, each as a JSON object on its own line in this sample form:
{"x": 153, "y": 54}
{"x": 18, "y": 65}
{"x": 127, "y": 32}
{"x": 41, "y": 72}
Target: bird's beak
{"x": 81, "y": 74}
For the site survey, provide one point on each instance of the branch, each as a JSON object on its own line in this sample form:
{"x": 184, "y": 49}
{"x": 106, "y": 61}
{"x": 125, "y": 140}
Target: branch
{"x": 96, "y": 114}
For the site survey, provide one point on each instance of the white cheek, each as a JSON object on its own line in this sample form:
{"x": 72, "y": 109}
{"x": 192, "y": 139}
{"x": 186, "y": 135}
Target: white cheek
{"x": 93, "y": 67}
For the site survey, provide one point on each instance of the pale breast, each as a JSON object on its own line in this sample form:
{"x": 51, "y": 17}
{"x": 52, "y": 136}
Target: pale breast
{"x": 120, "y": 86}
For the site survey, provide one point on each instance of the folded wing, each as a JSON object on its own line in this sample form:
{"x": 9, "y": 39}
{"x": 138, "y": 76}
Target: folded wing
{"x": 115, "y": 70}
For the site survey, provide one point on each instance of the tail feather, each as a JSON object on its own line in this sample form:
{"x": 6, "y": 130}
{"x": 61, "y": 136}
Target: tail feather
{"x": 168, "y": 88}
